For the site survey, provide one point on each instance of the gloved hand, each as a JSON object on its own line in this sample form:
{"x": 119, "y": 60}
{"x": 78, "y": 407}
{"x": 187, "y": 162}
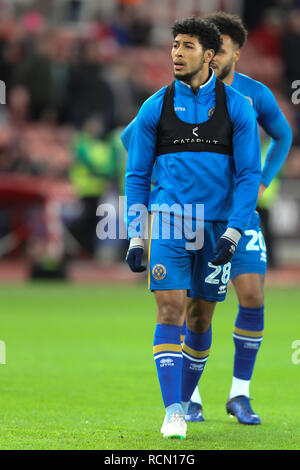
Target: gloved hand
{"x": 226, "y": 246}
{"x": 135, "y": 254}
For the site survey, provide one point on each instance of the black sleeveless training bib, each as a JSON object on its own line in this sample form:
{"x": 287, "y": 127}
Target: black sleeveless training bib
{"x": 213, "y": 135}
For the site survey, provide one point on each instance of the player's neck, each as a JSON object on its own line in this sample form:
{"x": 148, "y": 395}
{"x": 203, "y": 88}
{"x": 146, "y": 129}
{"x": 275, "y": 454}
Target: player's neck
{"x": 229, "y": 78}
{"x": 200, "y": 79}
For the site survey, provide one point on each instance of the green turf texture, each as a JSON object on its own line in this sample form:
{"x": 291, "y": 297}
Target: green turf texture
{"x": 80, "y": 372}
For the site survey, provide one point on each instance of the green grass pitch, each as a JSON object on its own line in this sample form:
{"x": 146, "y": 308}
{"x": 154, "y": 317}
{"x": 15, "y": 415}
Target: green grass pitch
{"x": 80, "y": 372}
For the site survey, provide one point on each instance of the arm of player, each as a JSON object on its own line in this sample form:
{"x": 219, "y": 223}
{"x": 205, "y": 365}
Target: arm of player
{"x": 247, "y": 163}
{"x": 127, "y": 133}
{"x": 276, "y": 126}
{"x": 125, "y": 138}
{"x": 140, "y": 162}
{"x": 246, "y": 154}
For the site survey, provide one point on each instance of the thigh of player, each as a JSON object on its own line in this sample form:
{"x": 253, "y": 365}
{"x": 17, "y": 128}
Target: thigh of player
{"x": 169, "y": 276}
{"x": 169, "y": 266}
{"x": 209, "y": 282}
{"x": 251, "y": 255}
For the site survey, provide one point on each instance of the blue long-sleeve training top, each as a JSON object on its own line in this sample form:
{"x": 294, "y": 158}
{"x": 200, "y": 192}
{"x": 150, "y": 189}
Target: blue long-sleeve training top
{"x": 271, "y": 119}
{"x": 226, "y": 185}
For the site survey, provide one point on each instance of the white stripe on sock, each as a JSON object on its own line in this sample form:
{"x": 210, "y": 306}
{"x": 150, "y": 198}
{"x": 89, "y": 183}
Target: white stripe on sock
{"x": 247, "y": 338}
{"x": 167, "y": 355}
{"x": 193, "y": 359}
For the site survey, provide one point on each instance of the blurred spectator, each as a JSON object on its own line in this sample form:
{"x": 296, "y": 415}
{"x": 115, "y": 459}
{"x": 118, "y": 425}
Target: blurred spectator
{"x": 128, "y": 93}
{"x": 14, "y": 121}
{"x": 73, "y": 10}
{"x": 46, "y": 147}
{"x": 266, "y": 37}
{"x": 140, "y": 29}
{"x": 16, "y": 113}
{"x": 291, "y": 47}
{"x": 33, "y": 22}
{"x": 121, "y": 26}
{"x": 101, "y": 30}
{"x": 93, "y": 170}
{"x": 34, "y": 73}
{"x": 11, "y": 53}
{"x": 60, "y": 64}
{"x": 87, "y": 92}
{"x": 130, "y": 28}
{"x": 39, "y": 148}
{"x": 253, "y": 11}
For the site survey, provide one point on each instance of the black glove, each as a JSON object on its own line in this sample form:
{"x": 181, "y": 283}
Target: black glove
{"x": 226, "y": 246}
{"x": 135, "y": 254}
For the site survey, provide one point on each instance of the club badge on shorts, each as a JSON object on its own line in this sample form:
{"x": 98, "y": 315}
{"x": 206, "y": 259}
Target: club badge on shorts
{"x": 159, "y": 272}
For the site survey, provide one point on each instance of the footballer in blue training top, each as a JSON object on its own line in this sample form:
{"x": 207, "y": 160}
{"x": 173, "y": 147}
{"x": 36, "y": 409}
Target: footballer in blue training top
{"x": 202, "y": 137}
{"x": 249, "y": 263}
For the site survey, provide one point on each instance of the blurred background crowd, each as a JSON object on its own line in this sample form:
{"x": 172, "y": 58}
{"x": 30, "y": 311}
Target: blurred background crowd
{"x": 73, "y": 74}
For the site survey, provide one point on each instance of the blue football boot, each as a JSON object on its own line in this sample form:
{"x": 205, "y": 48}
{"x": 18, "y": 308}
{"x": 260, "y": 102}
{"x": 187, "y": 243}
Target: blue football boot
{"x": 240, "y": 408}
{"x": 194, "y": 413}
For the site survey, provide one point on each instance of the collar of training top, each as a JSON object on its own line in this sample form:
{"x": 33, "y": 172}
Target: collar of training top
{"x": 205, "y": 88}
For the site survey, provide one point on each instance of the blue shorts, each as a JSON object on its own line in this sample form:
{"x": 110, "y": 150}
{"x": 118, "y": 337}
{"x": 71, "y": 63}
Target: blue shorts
{"x": 251, "y": 254}
{"x": 173, "y": 266}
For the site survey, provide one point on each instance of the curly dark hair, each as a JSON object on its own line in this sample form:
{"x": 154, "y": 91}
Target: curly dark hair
{"x": 232, "y": 25}
{"x": 207, "y": 33}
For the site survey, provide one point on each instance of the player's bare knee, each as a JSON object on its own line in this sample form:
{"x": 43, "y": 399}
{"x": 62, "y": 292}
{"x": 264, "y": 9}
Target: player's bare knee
{"x": 252, "y": 298}
{"x": 171, "y": 313}
{"x": 250, "y": 290}
{"x": 198, "y": 318}
{"x": 199, "y": 325}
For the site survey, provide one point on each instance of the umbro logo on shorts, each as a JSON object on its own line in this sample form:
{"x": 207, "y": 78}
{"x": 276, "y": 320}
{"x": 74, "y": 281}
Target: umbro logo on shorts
{"x": 222, "y": 289}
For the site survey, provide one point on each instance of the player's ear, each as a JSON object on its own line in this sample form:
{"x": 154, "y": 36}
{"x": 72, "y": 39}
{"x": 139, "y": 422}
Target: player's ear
{"x": 208, "y": 55}
{"x": 237, "y": 55}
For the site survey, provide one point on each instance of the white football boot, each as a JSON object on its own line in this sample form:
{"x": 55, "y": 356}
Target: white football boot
{"x": 175, "y": 427}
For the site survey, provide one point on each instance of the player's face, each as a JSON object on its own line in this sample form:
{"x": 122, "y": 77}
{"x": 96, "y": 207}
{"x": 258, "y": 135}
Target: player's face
{"x": 188, "y": 57}
{"x": 223, "y": 63}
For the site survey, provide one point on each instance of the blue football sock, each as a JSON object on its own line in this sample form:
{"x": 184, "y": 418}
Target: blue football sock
{"x": 168, "y": 359}
{"x": 195, "y": 351}
{"x": 247, "y": 337}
